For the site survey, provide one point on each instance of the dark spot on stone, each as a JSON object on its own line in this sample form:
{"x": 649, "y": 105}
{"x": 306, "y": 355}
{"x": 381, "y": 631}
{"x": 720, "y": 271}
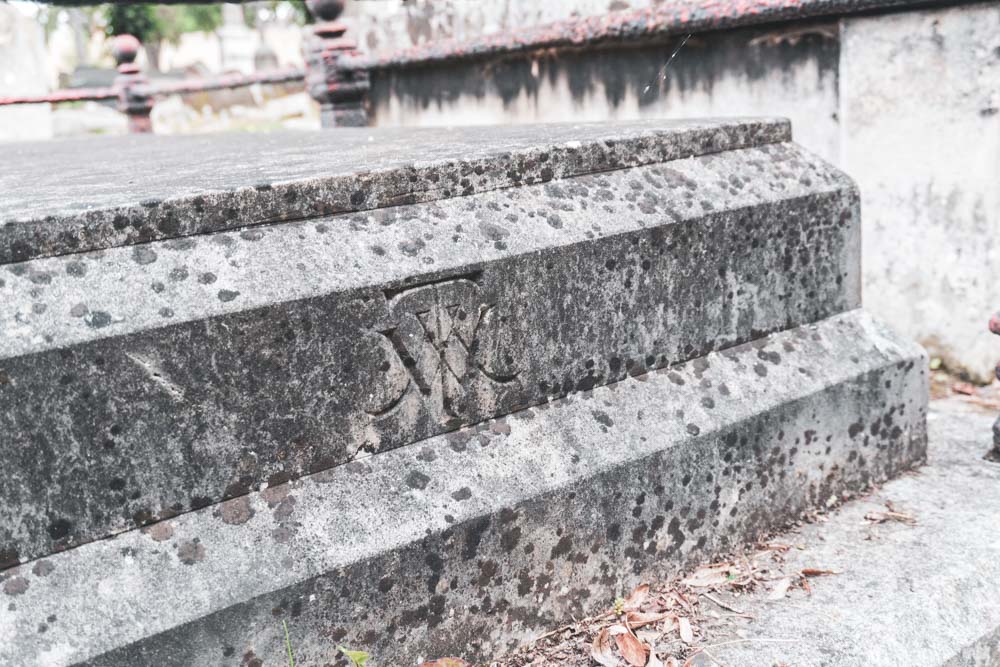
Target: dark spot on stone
{"x": 500, "y": 427}
{"x": 9, "y": 557}
{"x": 760, "y": 369}
{"x": 417, "y": 480}
{"x": 79, "y": 310}
{"x": 855, "y": 428}
{"x": 474, "y": 535}
{"x": 191, "y": 552}
{"x": 603, "y": 418}
{"x": 562, "y": 547}
{"x": 200, "y": 501}
{"x": 358, "y": 197}
{"x": 15, "y": 586}
{"x": 236, "y": 511}
{"x": 385, "y": 584}
{"x": 693, "y": 429}
{"x": 412, "y": 247}
{"x": 159, "y": 532}
{"x": 226, "y": 295}
{"x": 462, "y": 494}
{"x": 166, "y": 312}
{"x": 76, "y": 269}
{"x": 178, "y": 274}
{"x": 59, "y": 529}
{"x": 43, "y": 568}
{"x": 98, "y": 319}
{"x": 143, "y": 254}
{"x": 207, "y": 278}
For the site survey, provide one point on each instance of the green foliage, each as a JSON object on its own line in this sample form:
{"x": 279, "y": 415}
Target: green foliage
{"x": 132, "y": 19}
{"x": 357, "y": 658}
{"x": 192, "y": 18}
{"x": 302, "y": 14}
{"x": 152, "y": 23}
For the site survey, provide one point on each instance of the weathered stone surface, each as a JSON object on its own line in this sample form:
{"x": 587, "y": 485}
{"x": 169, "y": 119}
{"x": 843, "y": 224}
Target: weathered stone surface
{"x": 141, "y": 382}
{"x": 921, "y": 594}
{"x": 128, "y": 190}
{"x": 471, "y": 541}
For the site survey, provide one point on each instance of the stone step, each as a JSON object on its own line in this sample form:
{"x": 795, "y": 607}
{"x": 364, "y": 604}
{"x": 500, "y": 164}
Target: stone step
{"x": 904, "y": 594}
{"x": 99, "y": 193}
{"x": 140, "y": 382}
{"x": 469, "y": 542}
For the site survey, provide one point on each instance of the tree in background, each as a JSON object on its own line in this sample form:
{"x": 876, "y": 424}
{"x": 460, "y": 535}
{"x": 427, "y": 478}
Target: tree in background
{"x": 153, "y": 24}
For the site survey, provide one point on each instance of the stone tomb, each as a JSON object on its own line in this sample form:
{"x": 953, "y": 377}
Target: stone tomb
{"x": 418, "y": 393}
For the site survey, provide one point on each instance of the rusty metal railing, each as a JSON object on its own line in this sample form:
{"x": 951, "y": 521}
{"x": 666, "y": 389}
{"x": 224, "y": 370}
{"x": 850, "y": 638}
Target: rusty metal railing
{"x": 340, "y": 92}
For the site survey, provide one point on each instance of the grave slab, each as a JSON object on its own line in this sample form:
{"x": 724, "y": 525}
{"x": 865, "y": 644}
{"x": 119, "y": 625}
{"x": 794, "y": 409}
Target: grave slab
{"x": 98, "y": 193}
{"x": 471, "y": 541}
{"x": 141, "y": 382}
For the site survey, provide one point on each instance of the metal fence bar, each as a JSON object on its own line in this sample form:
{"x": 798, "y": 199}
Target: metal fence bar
{"x": 59, "y": 96}
{"x": 198, "y": 85}
{"x": 340, "y": 92}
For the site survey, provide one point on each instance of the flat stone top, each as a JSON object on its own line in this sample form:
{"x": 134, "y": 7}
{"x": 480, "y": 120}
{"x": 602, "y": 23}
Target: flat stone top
{"x": 72, "y": 196}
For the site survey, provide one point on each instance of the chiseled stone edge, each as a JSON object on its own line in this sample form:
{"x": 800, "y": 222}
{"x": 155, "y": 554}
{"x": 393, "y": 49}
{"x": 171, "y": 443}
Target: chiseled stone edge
{"x": 473, "y": 541}
{"x": 360, "y": 190}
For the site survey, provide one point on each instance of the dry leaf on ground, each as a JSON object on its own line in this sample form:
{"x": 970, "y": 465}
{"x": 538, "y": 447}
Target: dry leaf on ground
{"x": 710, "y": 576}
{"x": 685, "y": 631}
{"x": 601, "y": 651}
{"x": 637, "y": 619}
{"x": 636, "y": 598}
{"x": 813, "y": 572}
{"x": 632, "y": 649}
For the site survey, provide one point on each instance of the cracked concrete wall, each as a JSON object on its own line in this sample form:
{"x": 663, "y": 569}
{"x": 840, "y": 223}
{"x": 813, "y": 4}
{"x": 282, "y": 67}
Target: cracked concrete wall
{"x": 921, "y": 135}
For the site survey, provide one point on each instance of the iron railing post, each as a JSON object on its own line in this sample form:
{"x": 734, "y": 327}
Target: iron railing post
{"x": 136, "y": 105}
{"x": 341, "y": 91}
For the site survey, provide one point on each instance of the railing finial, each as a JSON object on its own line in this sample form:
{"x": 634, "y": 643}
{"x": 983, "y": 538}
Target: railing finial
{"x": 137, "y": 107}
{"x": 340, "y": 91}
{"x": 326, "y": 10}
{"x": 125, "y": 49}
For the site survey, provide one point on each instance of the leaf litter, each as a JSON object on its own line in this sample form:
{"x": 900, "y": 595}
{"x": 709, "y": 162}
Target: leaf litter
{"x": 666, "y": 625}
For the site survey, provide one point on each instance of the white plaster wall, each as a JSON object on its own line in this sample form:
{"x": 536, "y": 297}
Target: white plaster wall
{"x": 920, "y": 95}
{"x": 23, "y": 71}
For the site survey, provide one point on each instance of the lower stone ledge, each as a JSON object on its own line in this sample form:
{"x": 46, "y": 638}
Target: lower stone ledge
{"x": 919, "y": 592}
{"x": 472, "y": 542}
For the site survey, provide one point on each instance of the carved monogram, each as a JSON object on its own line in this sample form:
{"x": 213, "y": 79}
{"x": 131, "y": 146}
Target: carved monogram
{"x": 435, "y": 333}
